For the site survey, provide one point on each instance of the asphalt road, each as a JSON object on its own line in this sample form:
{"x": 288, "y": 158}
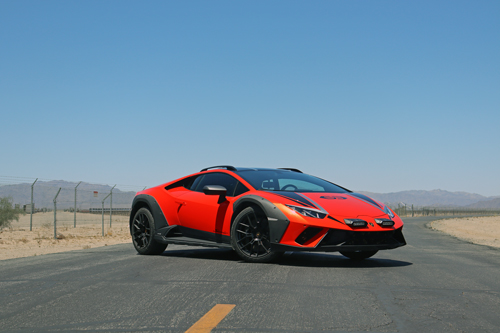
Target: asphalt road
{"x": 435, "y": 284}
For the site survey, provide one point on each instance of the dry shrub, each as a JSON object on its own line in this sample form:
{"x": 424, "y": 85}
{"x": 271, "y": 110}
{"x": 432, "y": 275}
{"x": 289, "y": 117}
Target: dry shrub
{"x": 60, "y": 236}
{"x": 110, "y": 232}
{"x": 86, "y": 247}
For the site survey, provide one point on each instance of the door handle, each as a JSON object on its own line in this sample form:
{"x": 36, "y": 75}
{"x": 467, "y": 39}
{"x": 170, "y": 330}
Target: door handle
{"x": 182, "y": 203}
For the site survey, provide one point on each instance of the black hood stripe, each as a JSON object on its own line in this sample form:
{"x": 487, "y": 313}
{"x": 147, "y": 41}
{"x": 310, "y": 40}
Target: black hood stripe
{"x": 365, "y": 198}
{"x": 295, "y": 197}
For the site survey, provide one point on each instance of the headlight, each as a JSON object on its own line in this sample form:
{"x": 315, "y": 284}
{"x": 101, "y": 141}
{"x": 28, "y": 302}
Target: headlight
{"x": 384, "y": 222}
{"x": 389, "y": 212}
{"x": 309, "y": 212}
{"x": 356, "y": 223}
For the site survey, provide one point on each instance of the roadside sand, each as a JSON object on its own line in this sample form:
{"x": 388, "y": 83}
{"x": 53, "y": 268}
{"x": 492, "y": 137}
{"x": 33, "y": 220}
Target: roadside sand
{"x": 18, "y": 241}
{"x": 478, "y": 230}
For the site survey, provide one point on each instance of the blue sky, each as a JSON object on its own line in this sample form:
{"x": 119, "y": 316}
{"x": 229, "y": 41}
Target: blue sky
{"x": 380, "y": 96}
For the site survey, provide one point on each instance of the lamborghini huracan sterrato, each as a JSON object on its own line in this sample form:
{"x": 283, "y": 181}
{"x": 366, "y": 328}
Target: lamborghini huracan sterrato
{"x": 261, "y": 213}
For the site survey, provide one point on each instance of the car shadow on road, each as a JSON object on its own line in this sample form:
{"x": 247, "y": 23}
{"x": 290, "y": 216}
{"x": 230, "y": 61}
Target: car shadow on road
{"x": 308, "y": 259}
{"x": 304, "y": 259}
{"x": 203, "y": 253}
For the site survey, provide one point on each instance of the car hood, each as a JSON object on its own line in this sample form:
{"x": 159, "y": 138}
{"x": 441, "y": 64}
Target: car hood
{"x": 347, "y": 205}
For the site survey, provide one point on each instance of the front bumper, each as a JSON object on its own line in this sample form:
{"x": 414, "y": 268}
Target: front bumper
{"x": 346, "y": 240}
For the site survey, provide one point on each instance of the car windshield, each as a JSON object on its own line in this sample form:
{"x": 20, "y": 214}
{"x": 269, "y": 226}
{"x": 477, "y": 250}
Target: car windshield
{"x": 284, "y": 180}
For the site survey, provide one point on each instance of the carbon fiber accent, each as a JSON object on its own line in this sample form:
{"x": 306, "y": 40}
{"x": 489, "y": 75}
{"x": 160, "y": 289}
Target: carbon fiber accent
{"x": 277, "y": 220}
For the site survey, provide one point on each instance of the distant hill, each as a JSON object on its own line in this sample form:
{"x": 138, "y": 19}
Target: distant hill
{"x": 432, "y": 198}
{"x": 493, "y": 203}
{"x": 44, "y": 193}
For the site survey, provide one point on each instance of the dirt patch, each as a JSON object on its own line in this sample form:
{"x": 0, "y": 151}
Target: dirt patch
{"x": 18, "y": 241}
{"x": 478, "y": 230}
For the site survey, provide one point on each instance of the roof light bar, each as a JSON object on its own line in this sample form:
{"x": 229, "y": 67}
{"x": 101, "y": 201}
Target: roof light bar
{"x": 291, "y": 169}
{"x": 227, "y": 167}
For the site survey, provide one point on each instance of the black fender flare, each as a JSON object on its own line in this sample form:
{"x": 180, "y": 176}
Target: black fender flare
{"x": 145, "y": 200}
{"x": 278, "y": 222}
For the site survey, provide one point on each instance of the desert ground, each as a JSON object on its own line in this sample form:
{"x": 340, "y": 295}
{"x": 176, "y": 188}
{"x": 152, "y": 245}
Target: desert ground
{"x": 18, "y": 241}
{"x": 477, "y": 230}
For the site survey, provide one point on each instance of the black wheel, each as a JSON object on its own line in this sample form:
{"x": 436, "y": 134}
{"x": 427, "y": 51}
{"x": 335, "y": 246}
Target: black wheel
{"x": 142, "y": 229}
{"x": 250, "y": 236}
{"x": 358, "y": 255}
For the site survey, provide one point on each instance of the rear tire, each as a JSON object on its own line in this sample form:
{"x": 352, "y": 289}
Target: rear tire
{"x": 358, "y": 255}
{"x": 250, "y": 236}
{"x": 142, "y": 231}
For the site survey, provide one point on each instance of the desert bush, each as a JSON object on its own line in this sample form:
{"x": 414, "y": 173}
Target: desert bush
{"x": 8, "y": 213}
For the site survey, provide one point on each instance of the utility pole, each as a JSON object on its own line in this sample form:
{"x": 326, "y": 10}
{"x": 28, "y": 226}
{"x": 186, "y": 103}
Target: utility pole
{"x": 74, "y": 226}
{"x": 31, "y": 214}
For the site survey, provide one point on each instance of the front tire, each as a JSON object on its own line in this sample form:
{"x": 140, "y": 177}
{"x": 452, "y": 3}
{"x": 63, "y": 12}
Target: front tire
{"x": 250, "y": 236}
{"x": 142, "y": 231}
{"x": 358, "y": 255}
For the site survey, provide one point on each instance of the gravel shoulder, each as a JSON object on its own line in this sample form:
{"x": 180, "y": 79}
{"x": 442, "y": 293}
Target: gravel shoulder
{"x": 477, "y": 230}
{"x": 18, "y": 241}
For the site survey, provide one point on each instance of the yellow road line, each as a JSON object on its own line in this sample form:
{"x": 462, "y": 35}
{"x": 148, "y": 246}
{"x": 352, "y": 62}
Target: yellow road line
{"x": 211, "y": 319}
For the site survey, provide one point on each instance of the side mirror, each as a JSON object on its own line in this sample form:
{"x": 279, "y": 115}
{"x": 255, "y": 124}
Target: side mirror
{"x": 216, "y": 190}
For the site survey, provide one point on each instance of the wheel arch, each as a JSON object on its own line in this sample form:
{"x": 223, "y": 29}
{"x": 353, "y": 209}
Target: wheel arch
{"x": 278, "y": 222}
{"x": 149, "y": 202}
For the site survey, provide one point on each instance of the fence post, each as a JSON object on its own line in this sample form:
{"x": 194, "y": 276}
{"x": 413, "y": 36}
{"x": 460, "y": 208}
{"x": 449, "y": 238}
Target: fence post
{"x": 102, "y": 212}
{"x": 74, "y": 225}
{"x": 55, "y": 210}
{"x": 31, "y": 214}
{"x": 111, "y": 205}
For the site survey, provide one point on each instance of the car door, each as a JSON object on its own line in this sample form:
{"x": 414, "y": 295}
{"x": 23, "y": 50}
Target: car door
{"x": 200, "y": 215}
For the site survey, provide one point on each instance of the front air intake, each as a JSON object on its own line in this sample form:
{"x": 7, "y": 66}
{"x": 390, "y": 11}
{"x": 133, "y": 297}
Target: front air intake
{"x": 307, "y": 235}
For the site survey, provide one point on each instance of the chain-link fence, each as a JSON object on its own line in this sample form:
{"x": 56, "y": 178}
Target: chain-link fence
{"x": 405, "y": 210}
{"x": 68, "y": 204}
{"x": 53, "y": 203}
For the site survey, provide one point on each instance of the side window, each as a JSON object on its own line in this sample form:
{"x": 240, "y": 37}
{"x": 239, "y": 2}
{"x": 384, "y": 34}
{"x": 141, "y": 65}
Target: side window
{"x": 186, "y": 182}
{"x": 196, "y": 182}
{"x": 240, "y": 189}
{"x": 216, "y": 178}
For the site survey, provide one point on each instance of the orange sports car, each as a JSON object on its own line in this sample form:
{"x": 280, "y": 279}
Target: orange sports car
{"x": 261, "y": 213}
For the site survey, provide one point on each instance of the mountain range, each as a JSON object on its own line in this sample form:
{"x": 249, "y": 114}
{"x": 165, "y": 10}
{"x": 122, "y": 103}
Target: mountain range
{"x": 44, "y": 193}
{"x": 436, "y": 198}
{"x": 88, "y": 195}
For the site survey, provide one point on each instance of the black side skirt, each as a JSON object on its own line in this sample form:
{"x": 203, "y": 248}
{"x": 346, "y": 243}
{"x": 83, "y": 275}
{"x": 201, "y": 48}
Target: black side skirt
{"x": 175, "y": 234}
